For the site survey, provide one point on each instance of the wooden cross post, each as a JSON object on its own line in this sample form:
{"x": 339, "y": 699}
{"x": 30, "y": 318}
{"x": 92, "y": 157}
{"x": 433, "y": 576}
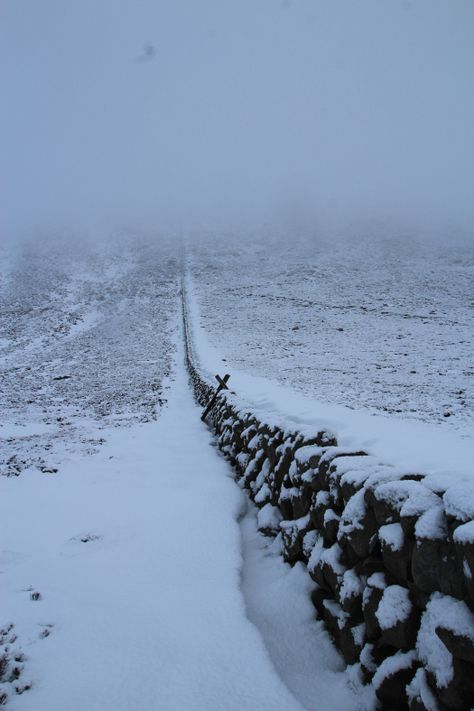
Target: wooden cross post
{"x": 222, "y": 386}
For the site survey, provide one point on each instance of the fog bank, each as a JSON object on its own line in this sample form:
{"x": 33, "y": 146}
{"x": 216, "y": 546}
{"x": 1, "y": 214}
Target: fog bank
{"x": 185, "y": 114}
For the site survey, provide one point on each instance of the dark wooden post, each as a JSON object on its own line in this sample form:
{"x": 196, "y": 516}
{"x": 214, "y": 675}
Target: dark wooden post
{"x": 222, "y": 386}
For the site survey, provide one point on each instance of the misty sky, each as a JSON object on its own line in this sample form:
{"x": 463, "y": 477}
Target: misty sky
{"x": 198, "y": 113}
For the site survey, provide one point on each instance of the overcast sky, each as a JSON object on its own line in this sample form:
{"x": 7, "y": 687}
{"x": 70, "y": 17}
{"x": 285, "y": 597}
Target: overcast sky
{"x": 198, "y": 113}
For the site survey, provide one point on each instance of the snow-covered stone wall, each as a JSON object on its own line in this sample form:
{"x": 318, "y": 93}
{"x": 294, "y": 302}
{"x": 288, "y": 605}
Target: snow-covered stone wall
{"x": 392, "y": 560}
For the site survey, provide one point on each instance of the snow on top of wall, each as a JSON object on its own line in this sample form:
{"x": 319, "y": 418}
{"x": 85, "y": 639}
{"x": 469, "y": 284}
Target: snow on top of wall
{"x": 298, "y": 524}
{"x": 304, "y": 454}
{"x": 353, "y": 513}
{"x": 419, "y": 689}
{"x": 392, "y": 536}
{"x": 330, "y": 515}
{"x": 316, "y": 554}
{"x": 432, "y": 524}
{"x": 464, "y": 534}
{"x": 459, "y": 501}
{"x": 263, "y": 494}
{"x": 455, "y": 615}
{"x": 323, "y": 498}
{"x": 334, "y": 452}
{"x": 336, "y": 611}
{"x": 377, "y": 580}
{"x": 269, "y": 517}
{"x": 395, "y": 606}
{"x": 431, "y": 650}
{"x": 392, "y": 665}
{"x": 332, "y": 557}
{"x": 351, "y": 585}
{"x": 374, "y": 472}
{"x": 396, "y": 493}
{"x": 344, "y": 465}
{"x": 309, "y": 541}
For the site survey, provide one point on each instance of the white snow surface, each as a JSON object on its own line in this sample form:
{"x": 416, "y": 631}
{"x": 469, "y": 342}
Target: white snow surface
{"x": 419, "y": 689}
{"x": 392, "y": 535}
{"x": 394, "y": 607}
{"x": 454, "y": 615}
{"x": 433, "y": 654}
{"x": 377, "y": 580}
{"x": 150, "y": 594}
{"x": 353, "y": 514}
{"x": 351, "y": 585}
{"x": 464, "y": 534}
{"x": 86, "y": 335}
{"x": 149, "y": 613}
{"x": 393, "y": 664}
{"x": 442, "y": 452}
{"x": 278, "y": 601}
{"x": 303, "y": 454}
{"x": 383, "y": 325}
{"x": 459, "y": 501}
{"x": 432, "y": 524}
{"x": 147, "y": 598}
{"x": 269, "y": 517}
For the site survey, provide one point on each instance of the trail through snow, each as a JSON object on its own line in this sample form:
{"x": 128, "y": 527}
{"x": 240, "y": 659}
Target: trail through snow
{"x": 137, "y": 554}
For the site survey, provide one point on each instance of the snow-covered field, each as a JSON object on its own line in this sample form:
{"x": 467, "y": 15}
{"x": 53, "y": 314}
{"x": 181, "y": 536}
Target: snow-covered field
{"x": 374, "y": 325}
{"x": 126, "y": 575}
{"x": 127, "y": 582}
{"x": 141, "y": 143}
{"x": 85, "y": 342}
{"x": 86, "y": 336}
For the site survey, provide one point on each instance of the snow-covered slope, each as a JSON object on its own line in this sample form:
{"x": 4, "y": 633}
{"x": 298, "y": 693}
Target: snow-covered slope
{"x": 422, "y": 444}
{"x": 380, "y": 325}
{"x": 85, "y": 341}
{"x": 122, "y": 578}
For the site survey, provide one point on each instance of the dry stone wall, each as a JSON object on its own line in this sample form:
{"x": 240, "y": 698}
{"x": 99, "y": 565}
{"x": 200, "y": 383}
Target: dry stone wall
{"x": 392, "y": 560}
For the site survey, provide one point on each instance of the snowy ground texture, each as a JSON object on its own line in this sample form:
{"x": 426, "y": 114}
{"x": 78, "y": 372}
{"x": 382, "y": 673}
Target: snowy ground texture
{"x": 382, "y": 325}
{"x": 127, "y": 582}
{"x": 136, "y": 557}
{"x": 85, "y": 341}
{"x": 389, "y": 546}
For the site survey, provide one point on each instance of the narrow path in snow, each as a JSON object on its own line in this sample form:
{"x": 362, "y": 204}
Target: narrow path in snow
{"x": 148, "y": 613}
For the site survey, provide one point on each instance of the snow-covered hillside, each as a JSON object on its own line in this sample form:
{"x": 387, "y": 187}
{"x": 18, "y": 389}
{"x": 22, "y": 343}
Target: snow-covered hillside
{"x": 122, "y": 559}
{"x": 373, "y": 324}
{"x": 85, "y": 342}
{"x": 281, "y": 191}
{"x": 125, "y": 575}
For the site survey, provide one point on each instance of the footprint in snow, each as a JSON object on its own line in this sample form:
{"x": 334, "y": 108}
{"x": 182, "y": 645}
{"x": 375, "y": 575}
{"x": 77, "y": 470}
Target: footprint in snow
{"x": 46, "y": 631}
